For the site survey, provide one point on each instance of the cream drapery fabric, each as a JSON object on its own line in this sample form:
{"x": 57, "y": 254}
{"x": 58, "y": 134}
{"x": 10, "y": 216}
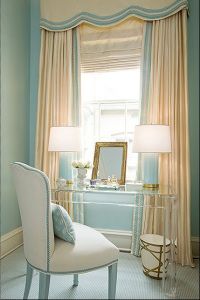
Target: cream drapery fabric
{"x": 58, "y": 95}
{"x": 168, "y": 104}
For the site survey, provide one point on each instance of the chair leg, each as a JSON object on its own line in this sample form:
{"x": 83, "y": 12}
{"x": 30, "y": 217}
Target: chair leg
{"x": 44, "y": 282}
{"x": 29, "y": 276}
{"x": 75, "y": 280}
{"x": 112, "y": 280}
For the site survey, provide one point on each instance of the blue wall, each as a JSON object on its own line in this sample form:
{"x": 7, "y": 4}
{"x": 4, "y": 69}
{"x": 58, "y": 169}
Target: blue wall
{"x": 193, "y": 72}
{"x": 34, "y": 71}
{"x": 15, "y": 41}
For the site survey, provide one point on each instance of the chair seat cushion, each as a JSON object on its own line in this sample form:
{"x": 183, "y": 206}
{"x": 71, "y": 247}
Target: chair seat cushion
{"x": 91, "y": 250}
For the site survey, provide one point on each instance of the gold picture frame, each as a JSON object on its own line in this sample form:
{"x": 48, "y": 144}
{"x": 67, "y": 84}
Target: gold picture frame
{"x": 113, "y": 150}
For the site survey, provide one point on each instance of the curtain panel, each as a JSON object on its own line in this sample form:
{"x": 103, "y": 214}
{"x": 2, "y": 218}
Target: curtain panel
{"x": 167, "y": 103}
{"x": 58, "y": 95}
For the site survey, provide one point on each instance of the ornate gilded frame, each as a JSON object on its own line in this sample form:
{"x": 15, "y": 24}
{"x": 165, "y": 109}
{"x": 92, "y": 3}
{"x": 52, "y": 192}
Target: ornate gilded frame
{"x": 98, "y": 145}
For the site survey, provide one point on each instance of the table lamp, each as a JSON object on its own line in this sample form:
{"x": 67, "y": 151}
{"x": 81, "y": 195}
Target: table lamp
{"x": 65, "y": 139}
{"x": 151, "y": 140}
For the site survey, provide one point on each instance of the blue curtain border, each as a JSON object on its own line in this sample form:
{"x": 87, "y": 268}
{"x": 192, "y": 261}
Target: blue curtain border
{"x": 135, "y": 11}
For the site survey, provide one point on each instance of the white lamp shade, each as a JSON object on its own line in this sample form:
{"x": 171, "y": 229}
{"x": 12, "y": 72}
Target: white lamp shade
{"x": 65, "y": 139}
{"x": 152, "y": 138}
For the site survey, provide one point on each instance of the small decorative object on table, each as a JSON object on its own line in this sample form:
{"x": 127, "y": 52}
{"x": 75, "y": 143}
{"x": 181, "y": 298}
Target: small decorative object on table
{"x": 69, "y": 182}
{"x": 93, "y": 182}
{"x": 82, "y": 168}
{"x": 60, "y": 182}
{"x": 112, "y": 181}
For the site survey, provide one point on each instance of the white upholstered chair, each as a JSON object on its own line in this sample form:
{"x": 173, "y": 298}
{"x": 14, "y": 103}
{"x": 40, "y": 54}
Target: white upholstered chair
{"x": 48, "y": 254}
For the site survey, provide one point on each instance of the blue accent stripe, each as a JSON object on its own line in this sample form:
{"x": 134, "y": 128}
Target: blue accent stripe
{"x": 144, "y": 13}
{"x": 144, "y": 88}
{"x": 137, "y": 224}
{"x": 76, "y": 79}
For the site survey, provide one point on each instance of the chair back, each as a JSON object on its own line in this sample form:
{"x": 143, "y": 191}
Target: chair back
{"x": 34, "y": 198}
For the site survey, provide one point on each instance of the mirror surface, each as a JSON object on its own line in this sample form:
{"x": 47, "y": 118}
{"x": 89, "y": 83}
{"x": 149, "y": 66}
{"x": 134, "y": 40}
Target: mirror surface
{"x": 110, "y": 160}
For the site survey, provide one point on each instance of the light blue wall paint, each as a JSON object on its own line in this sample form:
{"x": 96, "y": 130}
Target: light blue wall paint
{"x": 193, "y": 72}
{"x": 34, "y": 71}
{"x": 193, "y": 55}
{"x": 14, "y": 102}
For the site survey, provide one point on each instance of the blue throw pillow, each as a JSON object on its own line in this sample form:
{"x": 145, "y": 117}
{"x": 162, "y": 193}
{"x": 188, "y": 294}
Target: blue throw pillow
{"x": 62, "y": 224}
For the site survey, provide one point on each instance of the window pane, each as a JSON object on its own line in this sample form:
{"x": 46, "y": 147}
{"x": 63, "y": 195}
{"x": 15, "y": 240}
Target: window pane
{"x": 111, "y": 111}
{"x": 117, "y": 85}
{"x": 112, "y": 122}
{"x": 90, "y": 132}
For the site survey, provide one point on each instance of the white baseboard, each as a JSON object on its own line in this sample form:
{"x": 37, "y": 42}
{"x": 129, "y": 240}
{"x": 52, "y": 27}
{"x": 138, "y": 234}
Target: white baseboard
{"x": 11, "y": 241}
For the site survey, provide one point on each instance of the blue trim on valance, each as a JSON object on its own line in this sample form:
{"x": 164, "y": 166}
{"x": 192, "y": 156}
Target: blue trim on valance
{"x": 137, "y": 11}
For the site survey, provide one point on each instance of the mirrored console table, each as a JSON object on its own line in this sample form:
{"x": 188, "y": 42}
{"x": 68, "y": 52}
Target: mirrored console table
{"x": 153, "y": 212}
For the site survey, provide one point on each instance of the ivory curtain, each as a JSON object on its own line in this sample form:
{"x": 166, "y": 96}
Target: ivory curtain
{"x": 58, "y": 96}
{"x": 167, "y": 103}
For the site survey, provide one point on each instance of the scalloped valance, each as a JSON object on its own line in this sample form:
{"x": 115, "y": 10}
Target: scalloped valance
{"x": 60, "y": 15}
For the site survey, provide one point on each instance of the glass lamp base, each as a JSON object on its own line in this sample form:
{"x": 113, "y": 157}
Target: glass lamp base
{"x": 150, "y": 171}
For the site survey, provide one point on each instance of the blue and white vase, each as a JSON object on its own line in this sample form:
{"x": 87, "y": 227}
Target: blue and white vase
{"x": 82, "y": 172}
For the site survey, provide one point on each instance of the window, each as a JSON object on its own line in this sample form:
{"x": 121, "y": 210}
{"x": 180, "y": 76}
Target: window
{"x": 110, "y": 84}
{"x": 111, "y": 109}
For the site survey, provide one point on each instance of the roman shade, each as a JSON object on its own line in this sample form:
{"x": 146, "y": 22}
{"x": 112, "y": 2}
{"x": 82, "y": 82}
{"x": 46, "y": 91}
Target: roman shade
{"x": 111, "y": 48}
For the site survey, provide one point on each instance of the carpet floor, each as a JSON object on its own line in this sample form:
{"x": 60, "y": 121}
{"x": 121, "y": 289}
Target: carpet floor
{"x": 131, "y": 282}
